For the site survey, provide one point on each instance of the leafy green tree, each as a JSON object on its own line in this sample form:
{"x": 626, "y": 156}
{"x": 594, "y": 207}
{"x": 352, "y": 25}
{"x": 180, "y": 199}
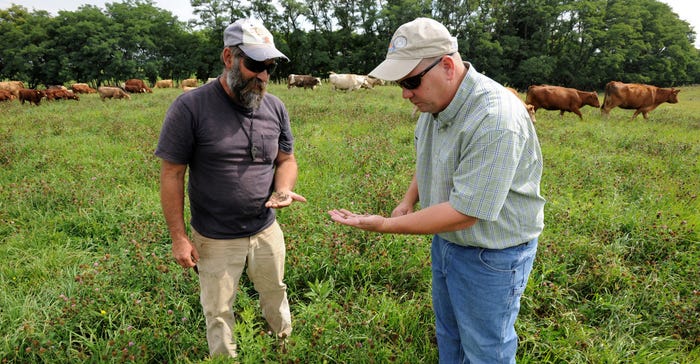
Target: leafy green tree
{"x": 87, "y": 44}
{"x": 25, "y": 46}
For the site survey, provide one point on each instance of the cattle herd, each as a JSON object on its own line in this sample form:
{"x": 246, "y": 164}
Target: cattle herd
{"x": 11, "y": 90}
{"x": 639, "y": 97}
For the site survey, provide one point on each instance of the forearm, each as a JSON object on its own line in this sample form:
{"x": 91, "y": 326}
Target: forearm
{"x": 434, "y": 219}
{"x": 286, "y": 174}
{"x": 172, "y": 198}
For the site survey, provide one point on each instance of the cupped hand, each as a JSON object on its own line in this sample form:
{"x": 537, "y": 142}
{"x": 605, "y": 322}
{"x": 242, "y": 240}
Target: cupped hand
{"x": 280, "y": 199}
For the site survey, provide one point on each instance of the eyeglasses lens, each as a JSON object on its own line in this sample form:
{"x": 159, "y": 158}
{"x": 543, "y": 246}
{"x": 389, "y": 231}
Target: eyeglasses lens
{"x": 413, "y": 82}
{"x": 258, "y": 66}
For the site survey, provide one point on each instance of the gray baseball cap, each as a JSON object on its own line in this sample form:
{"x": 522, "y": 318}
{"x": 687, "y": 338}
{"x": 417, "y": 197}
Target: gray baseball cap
{"x": 410, "y": 44}
{"x": 253, "y": 38}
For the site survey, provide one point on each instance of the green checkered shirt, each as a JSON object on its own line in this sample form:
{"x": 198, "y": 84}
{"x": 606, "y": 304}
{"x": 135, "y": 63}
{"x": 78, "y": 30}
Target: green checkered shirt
{"x": 482, "y": 155}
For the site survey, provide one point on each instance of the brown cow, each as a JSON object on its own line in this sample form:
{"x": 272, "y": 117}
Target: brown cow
{"x": 107, "y": 92}
{"x": 12, "y": 86}
{"x": 31, "y": 95}
{"x": 6, "y": 95}
{"x": 643, "y": 98}
{"x": 530, "y": 108}
{"x": 136, "y": 86}
{"x": 560, "y": 98}
{"x": 82, "y": 88}
{"x": 59, "y": 94}
{"x": 305, "y": 81}
{"x": 190, "y": 82}
{"x": 164, "y": 84}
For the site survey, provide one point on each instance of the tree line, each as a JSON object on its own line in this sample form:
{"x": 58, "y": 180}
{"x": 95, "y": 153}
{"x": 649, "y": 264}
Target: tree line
{"x": 574, "y": 43}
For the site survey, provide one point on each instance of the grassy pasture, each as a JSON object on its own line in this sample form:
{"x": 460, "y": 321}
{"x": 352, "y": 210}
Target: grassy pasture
{"x": 87, "y": 274}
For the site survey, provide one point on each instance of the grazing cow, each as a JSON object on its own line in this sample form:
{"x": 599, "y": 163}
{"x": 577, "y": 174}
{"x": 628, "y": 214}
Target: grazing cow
{"x": 107, "y": 92}
{"x": 189, "y": 82}
{"x": 560, "y": 98}
{"x": 164, "y": 84}
{"x": 12, "y": 86}
{"x": 643, "y": 98}
{"x": 60, "y": 94}
{"x": 6, "y": 95}
{"x": 136, "y": 86}
{"x": 31, "y": 95}
{"x": 82, "y": 88}
{"x": 370, "y": 82}
{"x": 305, "y": 81}
{"x": 346, "y": 81}
{"x": 529, "y": 107}
{"x": 188, "y": 88}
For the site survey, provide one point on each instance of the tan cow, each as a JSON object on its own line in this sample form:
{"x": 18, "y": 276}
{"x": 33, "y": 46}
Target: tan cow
{"x": 189, "y": 82}
{"x": 560, "y": 98}
{"x": 107, "y": 92}
{"x": 12, "y": 86}
{"x": 346, "y": 81}
{"x": 164, "y": 84}
{"x": 643, "y": 98}
{"x": 82, "y": 88}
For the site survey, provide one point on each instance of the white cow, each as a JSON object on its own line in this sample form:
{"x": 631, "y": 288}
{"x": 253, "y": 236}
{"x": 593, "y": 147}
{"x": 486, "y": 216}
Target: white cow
{"x": 346, "y": 81}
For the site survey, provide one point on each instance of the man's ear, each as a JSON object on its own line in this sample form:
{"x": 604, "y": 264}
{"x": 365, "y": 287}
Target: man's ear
{"x": 226, "y": 57}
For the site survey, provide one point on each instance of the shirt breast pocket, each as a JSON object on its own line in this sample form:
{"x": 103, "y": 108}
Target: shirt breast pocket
{"x": 270, "y": 147}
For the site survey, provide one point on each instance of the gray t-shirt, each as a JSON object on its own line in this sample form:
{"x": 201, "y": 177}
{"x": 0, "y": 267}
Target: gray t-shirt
{"x": 230, "y": 152}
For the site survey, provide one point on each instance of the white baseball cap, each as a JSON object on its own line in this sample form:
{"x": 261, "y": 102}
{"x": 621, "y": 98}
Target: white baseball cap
{"x": 410, "y": 44}
{"x": 253, "y": 39}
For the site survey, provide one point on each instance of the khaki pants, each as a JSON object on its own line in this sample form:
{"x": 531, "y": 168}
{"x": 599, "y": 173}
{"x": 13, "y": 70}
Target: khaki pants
{"x": 221, "y": 263}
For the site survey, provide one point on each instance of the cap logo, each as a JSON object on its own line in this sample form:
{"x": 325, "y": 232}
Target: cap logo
{"x": 397, "y": 43}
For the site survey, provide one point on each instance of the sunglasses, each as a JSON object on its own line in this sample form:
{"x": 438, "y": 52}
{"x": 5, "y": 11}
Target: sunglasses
{"x": 413, "y": 82}
{"x": 259, "y": 66}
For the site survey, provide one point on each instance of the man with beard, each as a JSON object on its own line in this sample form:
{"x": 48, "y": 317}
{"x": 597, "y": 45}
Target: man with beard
{"x": 237, "y": 142}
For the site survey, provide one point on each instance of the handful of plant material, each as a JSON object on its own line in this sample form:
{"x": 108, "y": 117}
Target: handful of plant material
{"x": 278, "y": 197}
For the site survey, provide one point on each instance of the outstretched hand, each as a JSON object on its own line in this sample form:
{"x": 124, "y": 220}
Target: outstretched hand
{"x": 364, "y": 222}
{"x": 283, "y": 199}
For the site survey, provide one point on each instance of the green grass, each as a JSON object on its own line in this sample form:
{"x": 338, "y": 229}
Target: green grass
{"x": 87, "y": 275}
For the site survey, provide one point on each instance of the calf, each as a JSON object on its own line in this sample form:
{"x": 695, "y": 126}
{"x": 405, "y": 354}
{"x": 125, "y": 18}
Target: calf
{"x": 643, "y": 98}
{"x": 560, "y": 98}
{"x": 31, "y": 95}
{"x": 107, "y": 92}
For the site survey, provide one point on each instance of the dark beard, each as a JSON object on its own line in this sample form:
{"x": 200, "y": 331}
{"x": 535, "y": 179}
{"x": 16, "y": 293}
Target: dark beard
{"x": 249, "y": 93}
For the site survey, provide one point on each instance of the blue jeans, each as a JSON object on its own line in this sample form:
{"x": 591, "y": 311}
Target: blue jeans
{"x": 476, "y": 299}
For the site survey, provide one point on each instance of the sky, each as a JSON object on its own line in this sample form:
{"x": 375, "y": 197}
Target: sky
{"x": 686, "y": 9}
